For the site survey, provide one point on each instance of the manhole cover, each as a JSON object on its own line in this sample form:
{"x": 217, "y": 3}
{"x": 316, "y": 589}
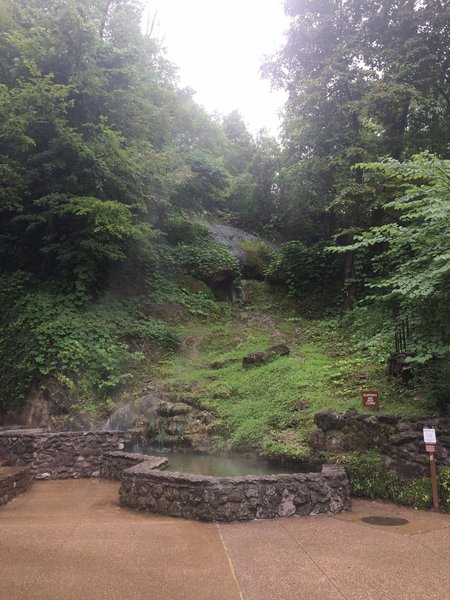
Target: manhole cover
{"x": 386, "y": 521}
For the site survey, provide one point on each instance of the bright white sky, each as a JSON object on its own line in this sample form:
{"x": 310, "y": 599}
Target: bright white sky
{"x": 219, "y": 46}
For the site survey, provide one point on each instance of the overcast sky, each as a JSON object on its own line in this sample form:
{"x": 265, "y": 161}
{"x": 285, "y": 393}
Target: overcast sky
{"x": 219, "y": 46}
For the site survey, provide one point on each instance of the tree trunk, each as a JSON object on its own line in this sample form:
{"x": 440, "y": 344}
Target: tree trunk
{"x": 350, "y": 285}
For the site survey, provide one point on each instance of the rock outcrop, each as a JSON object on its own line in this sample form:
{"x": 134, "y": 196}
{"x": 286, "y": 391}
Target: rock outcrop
{"x": 399, "y": 439}
{"x": 256, "y": 359}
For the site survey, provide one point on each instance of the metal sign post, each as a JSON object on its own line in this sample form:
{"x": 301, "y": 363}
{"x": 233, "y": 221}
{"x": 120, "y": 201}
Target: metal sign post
{"x": 429, "y": 437}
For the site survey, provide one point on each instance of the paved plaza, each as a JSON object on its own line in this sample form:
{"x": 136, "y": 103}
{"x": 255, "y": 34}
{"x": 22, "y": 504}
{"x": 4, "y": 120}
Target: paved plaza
{"x": 68, "y": 540}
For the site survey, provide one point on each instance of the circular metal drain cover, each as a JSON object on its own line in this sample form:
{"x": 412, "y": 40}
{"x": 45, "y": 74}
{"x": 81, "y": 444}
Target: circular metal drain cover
{"x": 386, "y": 521}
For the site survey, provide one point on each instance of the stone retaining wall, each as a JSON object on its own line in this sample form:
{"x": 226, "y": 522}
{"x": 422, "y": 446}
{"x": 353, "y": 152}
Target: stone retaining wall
{"x": 13, "y": 481}
{"x": 235, "y": 498}
{"x": 399, "y": 439}
{"x": 59, "y": 455}
{"x": 114, "y": 463}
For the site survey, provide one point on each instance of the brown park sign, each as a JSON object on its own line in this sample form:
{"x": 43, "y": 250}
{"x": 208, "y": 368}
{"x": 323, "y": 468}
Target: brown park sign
{"x": 371, "y": 399}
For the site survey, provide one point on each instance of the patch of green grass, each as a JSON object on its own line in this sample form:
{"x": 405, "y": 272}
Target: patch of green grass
{"x": 252, "y": 405}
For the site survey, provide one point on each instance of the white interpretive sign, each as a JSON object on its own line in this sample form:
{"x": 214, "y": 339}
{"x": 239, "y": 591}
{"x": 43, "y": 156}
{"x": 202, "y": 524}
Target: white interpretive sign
{"x": 429, "y": 435}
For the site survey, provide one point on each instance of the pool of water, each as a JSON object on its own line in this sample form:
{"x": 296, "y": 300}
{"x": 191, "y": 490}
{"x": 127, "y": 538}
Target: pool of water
{"x": 232, "y": 465}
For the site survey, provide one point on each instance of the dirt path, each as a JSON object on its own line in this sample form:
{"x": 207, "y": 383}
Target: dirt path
{"x": 262, "y": 320}
{"x": 196, "y": 344}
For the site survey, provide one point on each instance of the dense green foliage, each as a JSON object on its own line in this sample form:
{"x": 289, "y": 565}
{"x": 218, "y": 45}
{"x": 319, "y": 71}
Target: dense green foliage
{"x": 304, "y": 268}
{"x": 365, "y": 80}
{"x": 369, "y": 478}
{"x": 89, "y": 351}
{"x": 412, "y": 265}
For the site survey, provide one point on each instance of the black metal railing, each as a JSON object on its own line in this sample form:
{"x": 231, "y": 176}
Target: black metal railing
{"x": 402, "y": 334}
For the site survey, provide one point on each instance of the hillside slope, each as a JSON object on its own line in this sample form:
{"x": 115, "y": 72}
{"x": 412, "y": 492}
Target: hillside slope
{"x": 269, "y": 408}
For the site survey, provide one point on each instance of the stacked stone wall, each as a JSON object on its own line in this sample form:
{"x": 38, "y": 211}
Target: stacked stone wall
{"x": 114, "y": 463}
{"x": 13, "y": 481}
{"x": 399, "y": 439}
{"x": 235, "y": 498}
{"x": 63, "y": 455}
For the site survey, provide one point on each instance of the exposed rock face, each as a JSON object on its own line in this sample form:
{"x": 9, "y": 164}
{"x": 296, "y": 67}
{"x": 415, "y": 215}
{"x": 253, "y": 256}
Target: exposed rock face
{"x": 233, "y": 238}
{"x": 256, "y": 359}
{"x": 48, "y": 408}
{"x": 168, "y": 419}
{"x": 123, "y": 418}
{"x": 180, "y": 424}
{"x": 235, "y": 498}
{"x": 399, "y": 439}
{"x": 170, "y": 409}
{"x": 222, "y": 284}
{"x": 251, "y": 251}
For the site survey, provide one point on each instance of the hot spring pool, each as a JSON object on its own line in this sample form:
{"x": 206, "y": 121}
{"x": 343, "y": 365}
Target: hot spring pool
{"x": 229, "y": 465}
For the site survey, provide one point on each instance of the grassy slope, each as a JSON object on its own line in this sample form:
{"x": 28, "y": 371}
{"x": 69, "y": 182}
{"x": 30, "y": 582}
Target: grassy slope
{"x": 271, "y": 407}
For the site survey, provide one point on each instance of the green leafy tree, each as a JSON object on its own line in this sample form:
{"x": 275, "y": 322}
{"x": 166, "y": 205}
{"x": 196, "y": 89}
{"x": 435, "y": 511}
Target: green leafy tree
{"x": 413, "y": 259}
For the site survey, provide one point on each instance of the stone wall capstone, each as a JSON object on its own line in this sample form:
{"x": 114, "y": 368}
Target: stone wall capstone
{"x": 399, "y": 439}
{"x": 235, "y": 498}
{"x": 114, "y": 463}
{"x": 63, "y": 455}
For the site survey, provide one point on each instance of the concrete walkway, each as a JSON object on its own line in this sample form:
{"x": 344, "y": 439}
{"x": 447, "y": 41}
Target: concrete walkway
{"x": 70, "y": 540}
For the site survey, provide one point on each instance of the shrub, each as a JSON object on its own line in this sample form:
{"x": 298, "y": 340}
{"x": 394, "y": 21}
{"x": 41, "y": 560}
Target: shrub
{"x": 444, "y": 489}
{"x": 257, "y": 256}
{"x": 302, "y": 267}
{"x": 205, "y": 259}
{"x": 180, "y": 230}
{"x": 369, "y": 478}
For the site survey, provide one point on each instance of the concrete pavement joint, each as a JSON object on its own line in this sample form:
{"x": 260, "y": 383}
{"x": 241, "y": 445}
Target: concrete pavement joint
{"x": 417, "y": 539}
{"x": 314, "y": 562}
{"x": 52, "y": 554}
{"x": 233, "y": 572}
{"x": 183, "y": 571}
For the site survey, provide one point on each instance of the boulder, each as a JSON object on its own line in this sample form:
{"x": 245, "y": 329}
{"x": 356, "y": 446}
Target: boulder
{"x": 256, "y": 359}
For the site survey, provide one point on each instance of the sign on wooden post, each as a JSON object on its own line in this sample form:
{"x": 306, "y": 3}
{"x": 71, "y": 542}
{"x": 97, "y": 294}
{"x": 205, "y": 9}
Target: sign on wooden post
{"x": 429, "y": 437}
{"x": 371, "y": 399}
